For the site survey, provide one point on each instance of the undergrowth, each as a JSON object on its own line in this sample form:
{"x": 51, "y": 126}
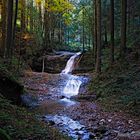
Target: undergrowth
{"x": 118, "y": 87}
{"x": 16, "y": 123}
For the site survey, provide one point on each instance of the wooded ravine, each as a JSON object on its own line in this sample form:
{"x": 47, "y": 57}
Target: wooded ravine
{"x": 69, "y": 69}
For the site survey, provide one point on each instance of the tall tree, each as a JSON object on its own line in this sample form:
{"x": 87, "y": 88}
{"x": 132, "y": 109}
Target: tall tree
{"x": 23, "y": 9}
{"x": 95, "y": 30}
{"x": 9, "y": 31}
{"x": 105, "y": 19}
{"x": 14, "y": 27}
{"x": 112, "y": 31}
{"x": 123, "y": 27}
{"x": 83, "y": 29}
{"x": 46, "y": 26}
{"x": 4, "y": 2}
{"x": 98, "y": 60}
{"x": 31, "y": 16}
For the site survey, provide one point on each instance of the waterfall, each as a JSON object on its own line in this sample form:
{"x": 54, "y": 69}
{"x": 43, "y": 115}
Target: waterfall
{"x": 73, "y": 84}
{"x": 70, "y": 64}
{"x": 72, "y": 87}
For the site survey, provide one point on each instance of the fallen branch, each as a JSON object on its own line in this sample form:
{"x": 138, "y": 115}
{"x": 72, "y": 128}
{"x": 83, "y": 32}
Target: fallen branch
{"x": 78, "y": 61}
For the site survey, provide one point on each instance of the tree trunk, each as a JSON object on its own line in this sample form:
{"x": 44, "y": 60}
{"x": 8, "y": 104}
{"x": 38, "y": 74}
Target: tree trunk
{"x": 112, "y": 31}
{"x": 98, "y": 60}
{"x": 83, "y": 30}
{"x": 123, "y": 27}
{"x": 9, "y": 31}
{"x": 46, "y": 26}
{"x": 14, "y": 27}
{"x": 23, "y": 26}
{"x": 95, "y": 30}
{"x": 31, "y": 17}
{"x": 105, "y": 34}
{"x": 3, "y": 43}
{"x": 40, "y": 12}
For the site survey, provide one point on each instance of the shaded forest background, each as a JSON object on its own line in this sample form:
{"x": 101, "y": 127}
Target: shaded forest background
{"x": 107, "y": 32}
{"x": 42, "y": 26}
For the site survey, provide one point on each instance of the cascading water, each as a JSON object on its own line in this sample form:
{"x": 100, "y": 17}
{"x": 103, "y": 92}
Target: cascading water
{"x": 72, "y": 86}
{"x": 70, "y": 64}
{"x": 53, "y": 103}
{"x": 73, "y": 83}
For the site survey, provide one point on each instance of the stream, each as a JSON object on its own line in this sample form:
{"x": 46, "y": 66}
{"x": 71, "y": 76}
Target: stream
{"x": 58, "y": 98}
{"x": 52, "y": 96}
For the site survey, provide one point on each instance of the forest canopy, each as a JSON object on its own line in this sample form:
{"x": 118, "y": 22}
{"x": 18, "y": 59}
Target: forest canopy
{"x": 74, "y": 25}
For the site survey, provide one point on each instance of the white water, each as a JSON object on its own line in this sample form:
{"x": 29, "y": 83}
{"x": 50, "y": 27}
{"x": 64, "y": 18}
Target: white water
{"x": 73, "y": 84}
{"x": 72, "y": 87}
{"x": 70, "y": 64}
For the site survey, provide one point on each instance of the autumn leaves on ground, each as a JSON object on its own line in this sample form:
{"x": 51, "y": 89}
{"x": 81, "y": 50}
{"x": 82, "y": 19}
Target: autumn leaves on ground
{"x": 37, "y": 38}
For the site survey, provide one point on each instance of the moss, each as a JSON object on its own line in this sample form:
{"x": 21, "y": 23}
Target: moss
{"x": 118, "y": 88}
{"x": 4, "y": 135}
{"x": 17, "y": 123}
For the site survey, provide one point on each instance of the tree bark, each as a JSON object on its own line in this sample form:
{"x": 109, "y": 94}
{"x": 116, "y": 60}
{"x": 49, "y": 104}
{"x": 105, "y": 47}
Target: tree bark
{"x": 83, "y": 29}
{"x": 46, "y": 26}
{"x": 98, "y": 61}
{"x": 31, "y": 17}
{"x": 14, "y": 27}
{"x": 23, "y": 26}
{"x": 9, "y": 31}
{"x": 105, "y": 34}
{"x": 112, "y": 31}
{"x": 123, "y": 27}
{"x": 4, "y": 15}
{"x": 95, "y": 30}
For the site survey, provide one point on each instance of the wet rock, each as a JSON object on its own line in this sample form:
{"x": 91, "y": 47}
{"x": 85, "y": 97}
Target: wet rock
{"x": 51, "y": 123}
{"x": 102, "y": 122}
{"x": 135, "y": 135}
{"x": 85, "y": 64}
{"x": 109, "y": 120}
{"x": 56, "y": 62}
{"x": 107, "y": 133}
{"x": 73, "y": 128}
{"x": 84, "y": 97}
{"x": 101, "y": 130}
{"x": 85, "y": 137}
{"x": 29, "y": 100}
{"x": 10, "y": 88}
{"x": 62, "y": 97}
{"x": 92, "y": 136}
{"x": 80, "y": 132}
{"x": 53, "y": 63}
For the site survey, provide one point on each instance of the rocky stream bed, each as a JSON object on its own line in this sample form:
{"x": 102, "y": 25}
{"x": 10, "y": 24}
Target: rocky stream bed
{"x": 80, "y": 119}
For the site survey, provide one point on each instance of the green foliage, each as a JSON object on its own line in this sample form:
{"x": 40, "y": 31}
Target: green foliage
{"x": 18, "y": 123}
{"x": 58, "y": 6}
{"x": 75, "y": 46}
{"x": 4, "y": 135}
{"x": 38, "y": 30}
{"x": 118, "y": 88}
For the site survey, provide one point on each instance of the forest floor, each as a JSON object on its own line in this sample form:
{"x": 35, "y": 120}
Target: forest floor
{"x": 16, "y": 122}
{"x": 101, "y": 123}
{"x": 109, "y": 108}
{"x": 118, "y": 88}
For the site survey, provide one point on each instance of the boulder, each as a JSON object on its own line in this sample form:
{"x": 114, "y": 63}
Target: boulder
{"x": 53, "y": 63}
{"x": 10, "y": 89}
{"x": 56, "y": 62}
